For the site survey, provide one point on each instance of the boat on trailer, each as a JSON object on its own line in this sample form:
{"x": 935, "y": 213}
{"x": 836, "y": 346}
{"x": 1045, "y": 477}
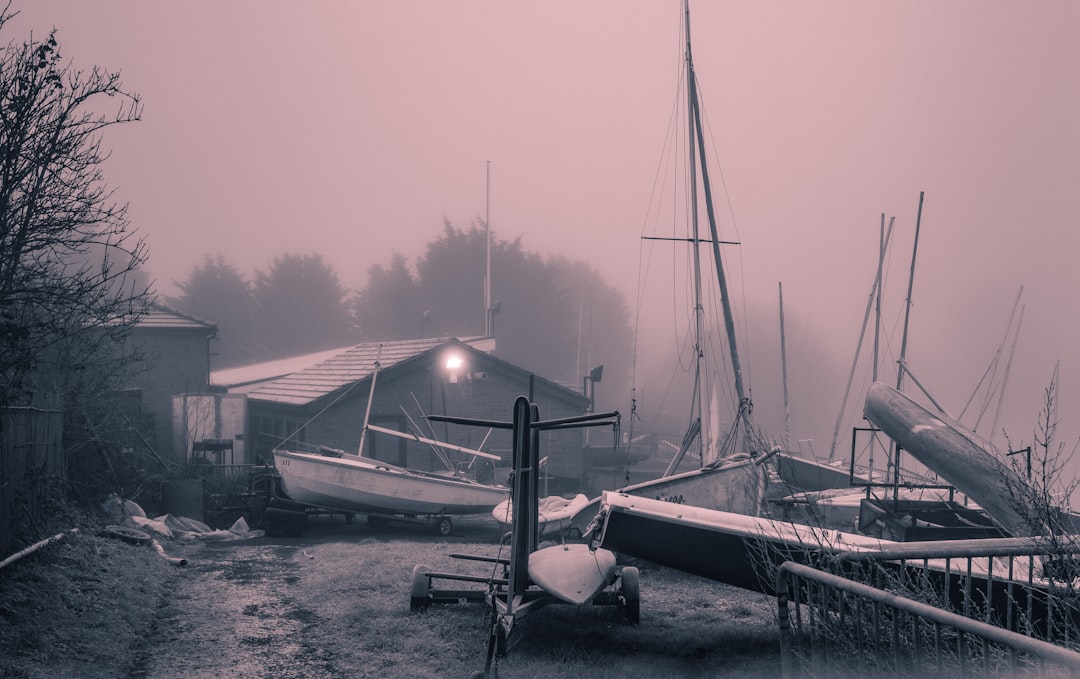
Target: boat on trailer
{"x": 347, "y": 483}
{"x": 331, "y": 479}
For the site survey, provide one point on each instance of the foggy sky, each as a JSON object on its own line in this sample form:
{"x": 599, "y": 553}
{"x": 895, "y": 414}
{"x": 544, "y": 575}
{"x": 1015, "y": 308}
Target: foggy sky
{"x": 352, "y": 129}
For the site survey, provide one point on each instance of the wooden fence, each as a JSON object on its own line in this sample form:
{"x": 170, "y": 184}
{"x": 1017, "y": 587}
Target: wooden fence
{"x": 31, "y": 468}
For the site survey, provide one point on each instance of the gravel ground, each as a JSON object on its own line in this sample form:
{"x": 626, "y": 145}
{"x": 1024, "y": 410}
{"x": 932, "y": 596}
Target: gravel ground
{"x": 333, "y": 603}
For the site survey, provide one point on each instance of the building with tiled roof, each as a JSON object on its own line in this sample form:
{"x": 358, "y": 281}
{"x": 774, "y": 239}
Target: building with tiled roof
{"x": 159, "y": 316}
{"x": 316, "y": 375}
{"x": 176, "y": 349}
{"x": 325, "y": 399}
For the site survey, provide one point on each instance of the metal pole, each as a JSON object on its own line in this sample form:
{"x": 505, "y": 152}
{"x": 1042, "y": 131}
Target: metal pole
{"x": 370, "y": 398}
{"x": 783, "y": 369}
{"x": 487, "y": 267}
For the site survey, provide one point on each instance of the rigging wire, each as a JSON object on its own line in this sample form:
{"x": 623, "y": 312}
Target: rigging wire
{"x": 682, "y": 345}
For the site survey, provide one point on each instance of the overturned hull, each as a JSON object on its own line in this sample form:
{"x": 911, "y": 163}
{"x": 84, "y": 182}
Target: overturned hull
{"x": 952, "y": 451}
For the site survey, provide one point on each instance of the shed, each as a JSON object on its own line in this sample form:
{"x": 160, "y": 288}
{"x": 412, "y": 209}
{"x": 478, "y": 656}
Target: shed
{"x": 324, "y": 399}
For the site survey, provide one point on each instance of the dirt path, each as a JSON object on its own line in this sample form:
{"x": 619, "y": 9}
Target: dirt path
{"x": 335, "y": 603}
{"x": 242, "y": 611}
{"x": 280, "y": 607}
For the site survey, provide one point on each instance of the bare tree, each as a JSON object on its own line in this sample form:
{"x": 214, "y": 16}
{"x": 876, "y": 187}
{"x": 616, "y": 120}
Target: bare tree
{"x": 1044, "y": 498}
{"x": 68, "y": 259}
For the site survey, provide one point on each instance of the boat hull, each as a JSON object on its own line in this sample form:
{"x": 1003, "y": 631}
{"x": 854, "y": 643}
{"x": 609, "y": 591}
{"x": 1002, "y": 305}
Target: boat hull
{"x": 554, "y": 513}
{"x": 735, "y": 485}
{"x": 573, "y": 572}
{"x": 364, "y": 486}
{"x": 745, "y": 551}
{"x": 951, "y": 451}
{"x": 724, "y": 546}
{"x": 808, "y": 475}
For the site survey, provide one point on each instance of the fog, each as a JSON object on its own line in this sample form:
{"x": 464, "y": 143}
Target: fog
{"x": 353, "y": 129}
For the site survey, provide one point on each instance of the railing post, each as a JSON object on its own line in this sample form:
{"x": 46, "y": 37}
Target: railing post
{"x": 788, "y": 661}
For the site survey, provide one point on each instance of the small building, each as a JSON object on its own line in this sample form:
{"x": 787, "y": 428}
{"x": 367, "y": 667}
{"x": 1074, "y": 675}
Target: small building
{"x": 176, "y": 347}
{"x": 324, "y": 399}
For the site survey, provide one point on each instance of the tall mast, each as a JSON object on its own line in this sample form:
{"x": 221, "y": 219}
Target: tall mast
{"x": 783, "y": 370}
{"x": 725, "y": 299}
{"x": 875, "y": 293}
{"x": 700, "y": 383}
{"x": 907, "y": 310}
{"x": 487, "y": 265}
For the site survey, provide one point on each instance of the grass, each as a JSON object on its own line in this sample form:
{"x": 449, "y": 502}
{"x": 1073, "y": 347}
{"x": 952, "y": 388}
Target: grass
{"x": 336, "y": 603}
{"x": 690, "y": 627}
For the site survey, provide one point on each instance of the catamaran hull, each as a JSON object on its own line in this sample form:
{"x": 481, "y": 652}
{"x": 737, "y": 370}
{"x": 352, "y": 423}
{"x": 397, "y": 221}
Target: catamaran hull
{"x": 366, "y": 486}
{"x": 744, "y": 551}
{"x": 724, "y": 546}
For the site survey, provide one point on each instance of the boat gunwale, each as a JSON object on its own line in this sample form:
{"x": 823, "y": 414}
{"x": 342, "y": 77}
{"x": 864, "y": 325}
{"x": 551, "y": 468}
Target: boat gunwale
{"x": 385, "y": 468}
{"x": 738, "y": 525}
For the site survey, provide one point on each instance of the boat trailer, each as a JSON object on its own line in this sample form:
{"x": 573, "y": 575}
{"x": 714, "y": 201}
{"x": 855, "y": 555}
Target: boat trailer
{"x": 284, "y": 517}
{"x": 513, "y": 595}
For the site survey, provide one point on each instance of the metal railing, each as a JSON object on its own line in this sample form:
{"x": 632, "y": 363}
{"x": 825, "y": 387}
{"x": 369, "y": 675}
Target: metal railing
{"x": 956, "y": 608}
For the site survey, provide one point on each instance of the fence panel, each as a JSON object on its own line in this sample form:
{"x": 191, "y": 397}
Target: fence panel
{"x": 31, "y": 468}
{"x": 900, "y": 625}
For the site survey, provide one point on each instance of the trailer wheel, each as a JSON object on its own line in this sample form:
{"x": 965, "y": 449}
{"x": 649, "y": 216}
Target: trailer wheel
{"x": 629, "y": 595}
{"x": 419, "y": 598}
{"x": 444, "y": 526}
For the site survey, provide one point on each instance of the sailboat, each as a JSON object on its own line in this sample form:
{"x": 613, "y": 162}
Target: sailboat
{"x": 333, "y": 479}
{"x": 336, "y": 480}
{"x": 726, "y": 480}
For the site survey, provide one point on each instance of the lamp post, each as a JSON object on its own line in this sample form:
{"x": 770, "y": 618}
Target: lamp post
{"x": 588, "y": 385}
